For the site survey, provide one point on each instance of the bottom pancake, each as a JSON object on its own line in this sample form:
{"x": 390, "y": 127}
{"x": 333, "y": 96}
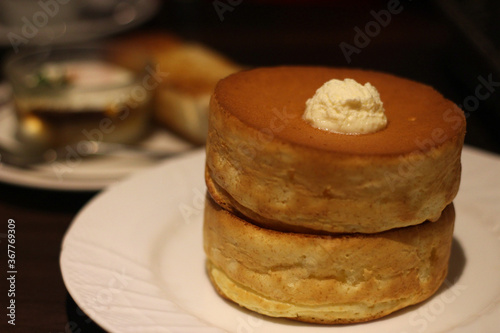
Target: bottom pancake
{"x": 329, "y": 279}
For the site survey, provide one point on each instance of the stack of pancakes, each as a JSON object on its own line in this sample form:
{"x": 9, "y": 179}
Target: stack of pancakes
{"x": 322, "y": 227}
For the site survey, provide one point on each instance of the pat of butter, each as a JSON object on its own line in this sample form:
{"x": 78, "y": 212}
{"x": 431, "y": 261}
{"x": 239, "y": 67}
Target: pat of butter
{"x": 346, "y": 107}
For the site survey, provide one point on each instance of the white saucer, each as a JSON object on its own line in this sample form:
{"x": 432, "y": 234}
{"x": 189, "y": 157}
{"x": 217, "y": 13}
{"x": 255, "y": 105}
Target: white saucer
{"x": 80, "y": 174}
{"x": 133, "y": 260}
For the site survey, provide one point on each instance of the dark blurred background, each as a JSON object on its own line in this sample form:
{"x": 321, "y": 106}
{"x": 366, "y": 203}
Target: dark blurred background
{"x": 449, "y": 44}
{"x": 452, "y": 45}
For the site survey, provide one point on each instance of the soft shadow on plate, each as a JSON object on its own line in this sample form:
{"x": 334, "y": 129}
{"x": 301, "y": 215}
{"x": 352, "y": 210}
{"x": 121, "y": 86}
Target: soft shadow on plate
{"x": 78, "y": 321}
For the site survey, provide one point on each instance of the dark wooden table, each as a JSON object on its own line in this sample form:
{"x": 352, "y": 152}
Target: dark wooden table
{"x": 41, "y": 219}
{"x": 421, "y": 43}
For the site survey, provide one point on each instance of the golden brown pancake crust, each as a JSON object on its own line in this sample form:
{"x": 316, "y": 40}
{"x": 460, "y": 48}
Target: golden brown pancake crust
{"x": 418, "y": 116}
{"x": 272, "y": 166}
{"x": 321, "y": 227}
{"x": 325, "y": 279}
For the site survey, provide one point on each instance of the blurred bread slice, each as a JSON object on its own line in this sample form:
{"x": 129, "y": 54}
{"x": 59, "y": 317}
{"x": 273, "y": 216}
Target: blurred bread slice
{"x": 187, "y": 74}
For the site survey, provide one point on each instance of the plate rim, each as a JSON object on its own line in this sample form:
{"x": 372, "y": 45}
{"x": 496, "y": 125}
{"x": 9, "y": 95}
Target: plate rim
{"x": 173, "y": 161}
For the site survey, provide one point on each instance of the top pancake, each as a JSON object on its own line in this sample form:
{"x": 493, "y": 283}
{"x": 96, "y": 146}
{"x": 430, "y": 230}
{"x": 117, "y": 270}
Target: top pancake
{"x": 273, "y": 100}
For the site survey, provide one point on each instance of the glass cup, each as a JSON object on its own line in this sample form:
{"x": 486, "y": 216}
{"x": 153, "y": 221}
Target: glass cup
{"x": 63, "y": 95}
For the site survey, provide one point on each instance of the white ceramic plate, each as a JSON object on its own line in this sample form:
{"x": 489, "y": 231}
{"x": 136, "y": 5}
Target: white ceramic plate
{"x": 133, "y": 260}
{"x": 80, "y": 174}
